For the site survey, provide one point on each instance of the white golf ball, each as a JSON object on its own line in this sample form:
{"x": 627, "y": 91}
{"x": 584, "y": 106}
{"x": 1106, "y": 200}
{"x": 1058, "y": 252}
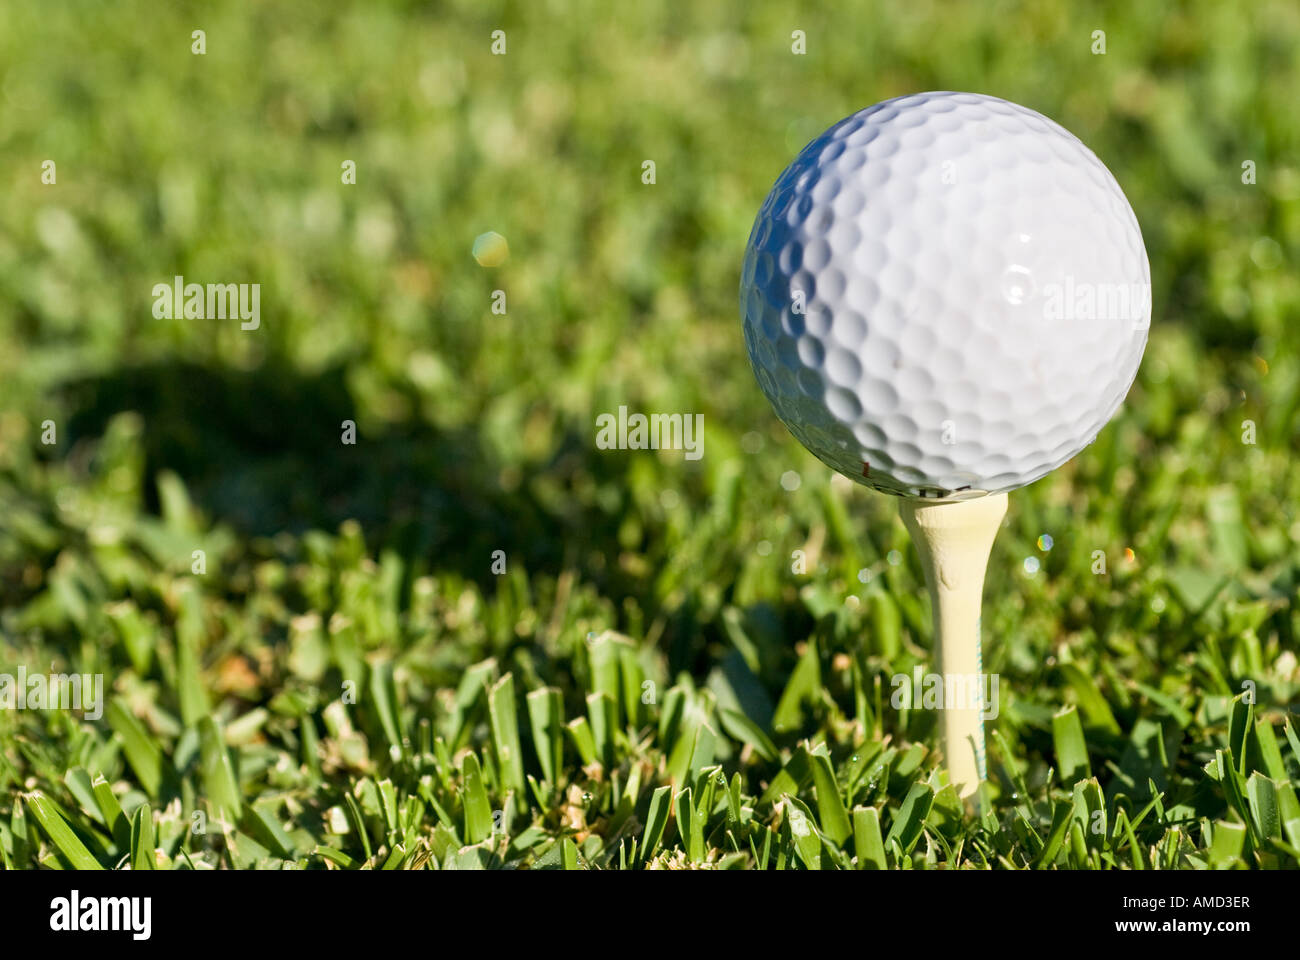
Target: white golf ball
{"x": 945, "y": 295}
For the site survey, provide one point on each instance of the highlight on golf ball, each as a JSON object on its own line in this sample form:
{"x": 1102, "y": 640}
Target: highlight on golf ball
{"x": 945, "y": 295}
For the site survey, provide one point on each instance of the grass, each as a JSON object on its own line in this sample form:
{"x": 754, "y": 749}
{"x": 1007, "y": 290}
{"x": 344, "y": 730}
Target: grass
{"x": 344, "y": 679}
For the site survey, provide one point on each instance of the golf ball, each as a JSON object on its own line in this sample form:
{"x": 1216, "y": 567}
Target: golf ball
{"x": 945, "y": 295}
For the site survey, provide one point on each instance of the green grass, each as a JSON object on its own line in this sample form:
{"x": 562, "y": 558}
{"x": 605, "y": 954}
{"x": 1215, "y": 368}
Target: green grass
{"x": 650, "y": 684}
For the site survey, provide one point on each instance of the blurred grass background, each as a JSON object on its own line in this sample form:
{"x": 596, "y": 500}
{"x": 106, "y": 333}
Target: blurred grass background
{"x": 476, "y": 430}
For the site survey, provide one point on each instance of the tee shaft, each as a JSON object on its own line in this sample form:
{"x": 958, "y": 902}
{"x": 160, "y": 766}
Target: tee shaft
{"x": 954, "y": 540}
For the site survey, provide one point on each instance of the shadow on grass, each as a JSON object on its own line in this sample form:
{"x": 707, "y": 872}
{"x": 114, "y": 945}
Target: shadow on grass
{"x": 262, "y": 451}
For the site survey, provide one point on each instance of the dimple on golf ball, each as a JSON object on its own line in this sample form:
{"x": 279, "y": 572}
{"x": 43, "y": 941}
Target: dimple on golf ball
{"x": 945, "y": 295}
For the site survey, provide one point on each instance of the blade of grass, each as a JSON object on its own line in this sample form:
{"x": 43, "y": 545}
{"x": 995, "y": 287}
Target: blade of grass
{"x": 546, "y": 719}
{"x": 264, "y": 827}
{"x": 142, "y": 752}
{"x": 189, "y": 640}
{"x": 505, "y": 733}
{"x": 656, "y": 821}
{"x": 580, "y": 732}
{"x": 748, "y": 732}
{"x": 142, "y": 842}
{"x": 383, "y": 697}
{"x": 56, "y": 828}
{"x": 906, "y": 828}
{"x": 1288, "y": 808}
{"x": 568, "y": 854}
{"x": 474, "y": 798}
{"x": 1071, "y": 748}
{"x": 602, "y": 711}
{"x": 803, "y": 834}
{"x": 1269, "y": 751}
{"x": 1061, "y": 817}
{"x": 831, "y": 814}
{"x": 1226, "y": 846}
{"x": 689, "y": 826}
{"x": 867, "y": 842}
{"x": 118, "y": 825}
{"x": 1261, "y": 793}
{"x": 803, "y": 687}
{"x": 1094, "y": 706}
{"x": 218, "y": 772}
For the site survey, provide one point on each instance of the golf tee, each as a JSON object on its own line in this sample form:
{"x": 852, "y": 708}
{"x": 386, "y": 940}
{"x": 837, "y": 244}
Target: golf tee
{"x": 954, "y": 540}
